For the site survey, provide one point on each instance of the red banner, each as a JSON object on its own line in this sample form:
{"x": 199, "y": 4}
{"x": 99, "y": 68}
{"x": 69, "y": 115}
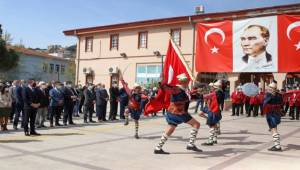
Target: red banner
{"x": 288, "y": 43}
{"x": 214, "y": 47}
{"x": 261, "y": 44}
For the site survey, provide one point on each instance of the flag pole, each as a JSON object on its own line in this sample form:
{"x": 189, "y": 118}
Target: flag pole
{"x": 182, "y": 59}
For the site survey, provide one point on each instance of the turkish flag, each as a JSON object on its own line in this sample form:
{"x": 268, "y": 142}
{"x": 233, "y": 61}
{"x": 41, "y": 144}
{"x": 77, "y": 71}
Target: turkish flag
{"x": 214, "y": 47}
{"x": 160, "y": 101}
{"x": 288, "y": 43}
{"x": 174, "y": 65}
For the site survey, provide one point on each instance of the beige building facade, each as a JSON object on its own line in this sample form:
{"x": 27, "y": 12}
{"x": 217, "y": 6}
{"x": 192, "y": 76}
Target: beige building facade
{"x": 137, "y": 49}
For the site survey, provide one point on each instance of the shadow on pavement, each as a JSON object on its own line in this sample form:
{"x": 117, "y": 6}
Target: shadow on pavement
{"x": 241, "y": 132}
{"x": 19, "y": 141}
{"x": 62, "y": 134}
{"x": 292, "y": 147}
{"x": 218, "y": 153}
{"x": 242, "y": 143}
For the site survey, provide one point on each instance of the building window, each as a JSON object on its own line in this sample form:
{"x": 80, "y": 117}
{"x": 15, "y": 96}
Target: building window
{"x": 176, "y": 36}
{"x": 45, "y": 67}
{"x": 51, "y": 68}
{"x": 88, "y": 44}
{"x": 114, "y": 42}
{"x": 148, "y": 73}
{"x": 62, "y": 69}
{"x": 56, "y": 68}
{"x": 143, "y": 40}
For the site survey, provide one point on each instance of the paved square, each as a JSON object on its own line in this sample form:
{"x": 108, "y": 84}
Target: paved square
{"x": 242, "y": 145}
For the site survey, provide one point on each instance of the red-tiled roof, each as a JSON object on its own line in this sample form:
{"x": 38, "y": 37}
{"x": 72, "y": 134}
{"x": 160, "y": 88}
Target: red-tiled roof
{"x": 283, "y": 9}
{"x": 30, "y": 52}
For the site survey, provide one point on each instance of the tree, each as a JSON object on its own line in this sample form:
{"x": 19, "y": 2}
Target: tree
{"x": 7, "y": 38}
{"x": 71, "y": 70}
{"x": 8, "y": 57}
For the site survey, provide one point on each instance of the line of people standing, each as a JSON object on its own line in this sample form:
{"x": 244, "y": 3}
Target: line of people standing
{"x": 241, "y": 103}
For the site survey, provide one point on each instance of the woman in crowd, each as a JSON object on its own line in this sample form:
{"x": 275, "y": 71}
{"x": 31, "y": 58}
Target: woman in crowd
{"x": 5, "y": 106}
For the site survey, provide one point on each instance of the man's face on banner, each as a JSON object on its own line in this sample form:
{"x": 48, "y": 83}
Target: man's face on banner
{"x": 252, "y": 41}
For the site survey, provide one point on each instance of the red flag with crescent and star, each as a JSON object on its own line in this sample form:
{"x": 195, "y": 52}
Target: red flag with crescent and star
{"x": 214, "y": 47}
{"x": 288, "y": 43}
{"x": 174, "y": 65}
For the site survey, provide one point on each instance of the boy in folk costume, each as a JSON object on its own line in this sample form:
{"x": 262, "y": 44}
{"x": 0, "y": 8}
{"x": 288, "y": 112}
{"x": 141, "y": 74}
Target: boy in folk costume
{"x": 134, "y": 105}
{"x": 177, "y": 113}
{"x": 213, "y": 112}
{"x": 220, "y": 97}
{"x": 272, "y": 108}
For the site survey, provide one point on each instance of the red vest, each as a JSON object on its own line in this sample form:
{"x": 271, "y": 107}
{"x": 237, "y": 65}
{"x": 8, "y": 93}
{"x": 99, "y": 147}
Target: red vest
{"x": 236, "y": 97}
{"x": 295, "y": 99}
{"x": 213, "y": 104}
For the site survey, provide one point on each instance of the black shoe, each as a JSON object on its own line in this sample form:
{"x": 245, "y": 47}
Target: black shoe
{"x": 44, "y": 126}
{"x": 27, "y": 134}
{"x": 208, "y": 144}
{"x": 136, "y": 136}
{"x": 57, "y": 124}
{"x": 215, "y": 142}
{"x": 292, "y": 118}
{"x": 91, "y": 121}
{"x": 160, "y": 152}
{"x": 232, "y": 115}
{"x": 193, "y": 148}
{"x": 104, "y": 120}
{"x": 85, "y": 121}
{"x": 15, "y": 128}
{"x": 65, "y": 124}
{"x": 72, "y": 123}
{"x": 35, "y": 134}
{"x": 274, "y": 149}
{"x": 126, "y": 123}
{"x": 248, "y": 115}
{"x": 39, "y": 127}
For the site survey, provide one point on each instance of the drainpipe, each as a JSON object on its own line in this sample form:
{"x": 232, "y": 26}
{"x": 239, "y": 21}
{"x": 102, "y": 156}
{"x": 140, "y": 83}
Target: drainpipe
{"x": 78, "y": 58}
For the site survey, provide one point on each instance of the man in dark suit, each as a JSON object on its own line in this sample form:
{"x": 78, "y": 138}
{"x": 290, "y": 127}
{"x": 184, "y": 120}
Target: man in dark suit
{"x": 13, "y": 104}
{"x": 44, "y": 103}
{"x": 114, "y": 97}
{"x": 17, "y": 94}
{"x": 124, "y": 99}
{"x": 101, "y": 102}
{"x": 69, "y": 102}
{"x": 31, "y": 104}
{"x": 56, "y": 102}
{"x": 89, "y": 100}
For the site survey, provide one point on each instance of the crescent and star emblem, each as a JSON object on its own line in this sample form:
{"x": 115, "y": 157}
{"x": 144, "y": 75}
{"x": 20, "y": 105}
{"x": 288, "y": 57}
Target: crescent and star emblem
{"x": 288, "y": 31}
{"x": 170, "y": 74}
{"x": 214, "y": 30}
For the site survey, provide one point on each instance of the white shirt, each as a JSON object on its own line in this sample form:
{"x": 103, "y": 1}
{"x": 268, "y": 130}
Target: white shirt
{"x": 258, "y": 64}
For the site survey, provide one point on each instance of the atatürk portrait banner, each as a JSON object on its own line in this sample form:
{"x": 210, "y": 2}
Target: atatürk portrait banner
{"x": 262, "y": 44}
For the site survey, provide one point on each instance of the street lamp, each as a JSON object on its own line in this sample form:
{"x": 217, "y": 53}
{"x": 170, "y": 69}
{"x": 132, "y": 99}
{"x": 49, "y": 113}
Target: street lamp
{"x": 158, "y": 54}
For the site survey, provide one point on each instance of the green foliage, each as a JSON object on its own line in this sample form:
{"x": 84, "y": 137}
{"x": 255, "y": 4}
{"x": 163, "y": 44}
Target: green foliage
{"x": 71, "y": 70}
{"x": 151, "y": 84}
{"x": 8, "y": 57}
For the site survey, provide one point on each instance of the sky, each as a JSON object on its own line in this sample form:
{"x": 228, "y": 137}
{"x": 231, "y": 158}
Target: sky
{"x": 39, "y": 23}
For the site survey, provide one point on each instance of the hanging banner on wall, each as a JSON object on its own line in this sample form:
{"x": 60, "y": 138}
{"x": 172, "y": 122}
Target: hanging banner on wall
{"x": 249, "y": 45}
{"x": 289, "y": 43}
